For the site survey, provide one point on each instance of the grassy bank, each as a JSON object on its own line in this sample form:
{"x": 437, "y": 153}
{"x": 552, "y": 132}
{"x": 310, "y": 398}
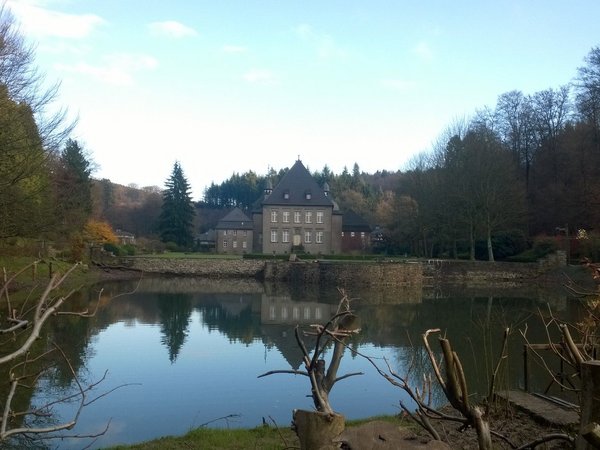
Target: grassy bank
{"x": 260, "y": 438}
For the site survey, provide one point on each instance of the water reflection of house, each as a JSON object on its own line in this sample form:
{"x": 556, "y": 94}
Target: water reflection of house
{"x": 282, "y": 310}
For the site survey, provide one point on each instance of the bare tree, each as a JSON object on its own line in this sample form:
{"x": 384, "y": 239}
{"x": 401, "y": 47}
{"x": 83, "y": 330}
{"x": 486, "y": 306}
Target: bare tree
{"x": 26, "y": 363}
{"x": 318, "y": 429}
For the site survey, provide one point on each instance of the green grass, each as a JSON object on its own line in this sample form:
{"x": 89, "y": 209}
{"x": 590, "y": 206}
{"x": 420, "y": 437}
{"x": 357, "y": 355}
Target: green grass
{"x": 259, "y": 438}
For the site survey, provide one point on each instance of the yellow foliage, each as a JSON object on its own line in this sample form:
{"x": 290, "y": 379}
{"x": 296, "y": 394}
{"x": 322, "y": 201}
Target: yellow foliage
{"x": 99, "y": 232}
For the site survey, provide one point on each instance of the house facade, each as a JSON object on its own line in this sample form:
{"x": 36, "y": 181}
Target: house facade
{"x": 297, "y": 215}
{"x": 356, "y": 234}
{"x": 234, "y": 233}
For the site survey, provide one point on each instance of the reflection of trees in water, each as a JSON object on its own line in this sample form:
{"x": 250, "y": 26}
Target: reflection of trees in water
{"x": 233, "y": 316}
{"x": 175, "y": 311}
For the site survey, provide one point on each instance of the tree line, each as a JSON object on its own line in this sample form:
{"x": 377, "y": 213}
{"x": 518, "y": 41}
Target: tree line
{"x": 525, "y": 167}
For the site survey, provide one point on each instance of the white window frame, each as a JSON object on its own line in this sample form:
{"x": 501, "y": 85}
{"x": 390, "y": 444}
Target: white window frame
{"x": 319, "y": 237}
{"x": 273, "y": 216}
{"x": 308, "y": 217}
{"x": 285, "y": 236}
{"x": 319, "y": 216}
{"x": 307, "y": 237}
{"x": 273, "y": 236}
{"x": 234, "y": 244}
{"x": 225, "y": 243}
{"x": 286, "y": 217}
{"x": 244, "y": 245}
{"x": 297, "y": 217}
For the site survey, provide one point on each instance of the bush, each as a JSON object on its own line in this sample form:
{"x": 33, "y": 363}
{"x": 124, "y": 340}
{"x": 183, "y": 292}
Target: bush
{"x": 544, "y": 246}
{"x": 112, "y": 248}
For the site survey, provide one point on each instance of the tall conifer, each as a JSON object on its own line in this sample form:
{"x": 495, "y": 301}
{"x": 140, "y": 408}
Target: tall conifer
{"x": 177, "y": 214}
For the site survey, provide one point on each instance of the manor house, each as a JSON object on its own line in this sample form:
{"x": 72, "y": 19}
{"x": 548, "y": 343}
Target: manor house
{"x": 296, "y": 215}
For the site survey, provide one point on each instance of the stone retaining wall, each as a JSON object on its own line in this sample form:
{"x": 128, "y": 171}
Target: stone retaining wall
{"x": 339, "y": 273}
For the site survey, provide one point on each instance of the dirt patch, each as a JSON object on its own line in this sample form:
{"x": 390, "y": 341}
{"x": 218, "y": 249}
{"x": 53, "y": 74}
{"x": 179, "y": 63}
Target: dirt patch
{"x": 517, "y": 428}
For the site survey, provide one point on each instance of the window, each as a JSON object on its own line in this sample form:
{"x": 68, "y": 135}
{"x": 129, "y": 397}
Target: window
{"x": 225, "y": 243}
{"x": 245, "y": 233}
{"x": 224, "y": 232}
{"x": 295, "y": 313}
{"x": 273, "y": 235}
{"x": 234, "y": 232}
{"x": 234, "y": 244}
{"x": 307, "y": 196}
{"x": 285, "y": 236}
{"x": 286, "y": 195}
{"x": 296, "y": 216}
{"x": 273, "y": 216}
{"x": 319, "y": 216}
{"x": 306, "y": 313}
{"x": 244, "y": 245}
{"x": 342, "y": 234}
{"x": 307, "y": 237}
{"x": 352, "y": 234}
{"x": 319, "y": 237}
{"x": 308, "y": 217}
{"x": 362, "y": 234}
{"x": 286, "y": 217}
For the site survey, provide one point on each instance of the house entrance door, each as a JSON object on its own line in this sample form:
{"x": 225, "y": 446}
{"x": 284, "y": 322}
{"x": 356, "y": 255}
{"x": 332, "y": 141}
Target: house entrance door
{"x": 296, "y": 240}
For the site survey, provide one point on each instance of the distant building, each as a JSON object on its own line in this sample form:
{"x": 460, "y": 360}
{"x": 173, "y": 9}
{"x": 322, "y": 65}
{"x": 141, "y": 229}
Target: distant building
{"x": 356, "y": 234}
{"x": 206, "y": 242}
{"x": 124, "y": 238}
{"x": 297, "y": 215}
{"x": 234, "y": 233}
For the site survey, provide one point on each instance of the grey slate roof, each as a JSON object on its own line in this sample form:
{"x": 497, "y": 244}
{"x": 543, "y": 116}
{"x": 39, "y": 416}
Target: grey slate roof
{"x": 353, "y": 222}
{"x": 294, "y": 186}
{"x": 235, "y": 220}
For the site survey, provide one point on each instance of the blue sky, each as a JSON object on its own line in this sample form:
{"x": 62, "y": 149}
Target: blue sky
{"x": 232, "y": 86}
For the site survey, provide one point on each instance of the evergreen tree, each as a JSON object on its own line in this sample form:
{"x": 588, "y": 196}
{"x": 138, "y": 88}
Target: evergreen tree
{"x": 177, "y": 214}
{"x": 73, "y": 187}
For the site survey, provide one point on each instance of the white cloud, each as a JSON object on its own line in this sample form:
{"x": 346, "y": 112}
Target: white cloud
{"x": 172, "y": 29}
{"x": 118, "y": 69}
{"x": 423, "y": 51}
{"x": 260, "y": 76}
{"x": 234, "y": 49}
{"x": 43, "y": 22}
{"x": 324, "y": 44}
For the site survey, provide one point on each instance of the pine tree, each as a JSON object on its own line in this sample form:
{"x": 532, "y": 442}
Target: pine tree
{"x": 177, "y": 214}
{"x": 73, "y": 188}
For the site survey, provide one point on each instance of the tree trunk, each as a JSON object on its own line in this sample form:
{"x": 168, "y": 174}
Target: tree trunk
{"x": 317, "y": 430}
{"x": 490, "y": 249}
{"x": 590, "y": 403}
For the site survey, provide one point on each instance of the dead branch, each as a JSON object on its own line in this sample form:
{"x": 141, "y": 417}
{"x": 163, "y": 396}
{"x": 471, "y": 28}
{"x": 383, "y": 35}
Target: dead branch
{"x": 338, "y": 328}
{"x": 503, "y": 357}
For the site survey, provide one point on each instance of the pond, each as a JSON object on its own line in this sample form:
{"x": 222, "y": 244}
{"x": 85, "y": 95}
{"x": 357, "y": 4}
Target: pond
{"x": 178, "y": 353}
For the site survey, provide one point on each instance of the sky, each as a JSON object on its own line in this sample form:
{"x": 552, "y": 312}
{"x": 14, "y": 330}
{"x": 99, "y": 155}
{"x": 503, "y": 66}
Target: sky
{"x": 226, "y": 87}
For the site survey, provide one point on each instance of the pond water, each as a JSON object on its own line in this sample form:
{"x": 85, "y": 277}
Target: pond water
{"x": 183, "y": 353}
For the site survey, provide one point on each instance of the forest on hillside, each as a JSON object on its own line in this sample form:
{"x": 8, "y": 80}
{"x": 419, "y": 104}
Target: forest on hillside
{"x": 491, "y": 185}
{"x": 523, "y": 169}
